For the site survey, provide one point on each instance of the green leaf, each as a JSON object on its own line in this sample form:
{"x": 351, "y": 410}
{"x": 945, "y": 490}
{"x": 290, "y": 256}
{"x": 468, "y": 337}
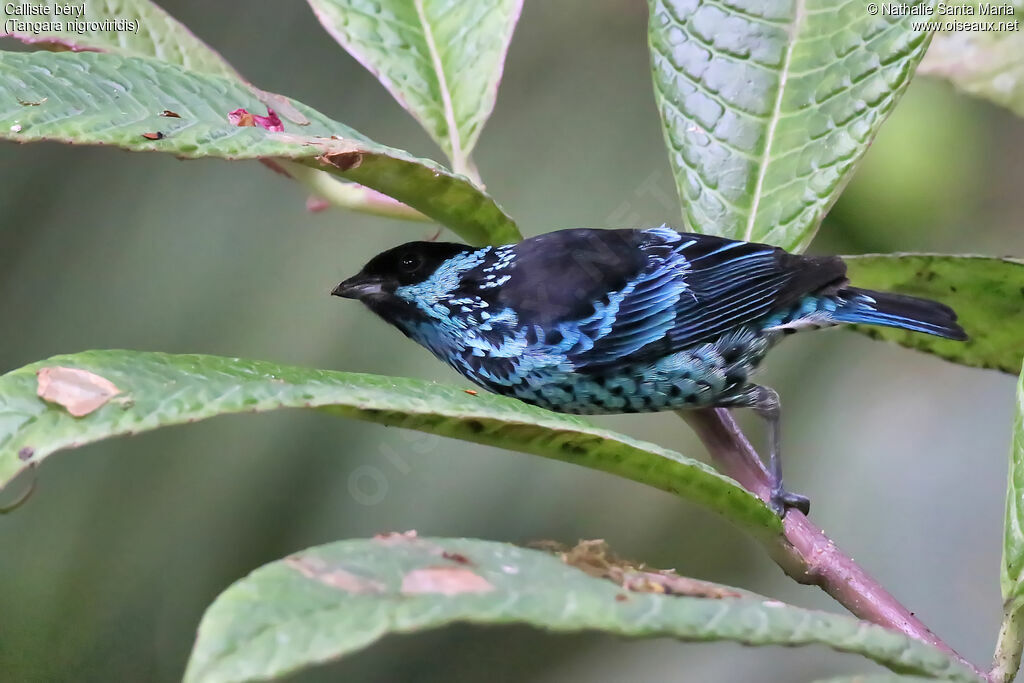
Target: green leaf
{"x": 160, "y": 389}
{"x": 162, "y": 37}
{"x": 767, "y": 106}
{"x": 987, "y": 294}
{"x": 145, "y": 30}
{"x": 441, "y": 59}
{"x": 987, "y": 64}
{"x": 1011, "y": 575}
{"x": 90, "y": 98}
{"x": 329, "y": 601}
{"x": 876, "y": 678}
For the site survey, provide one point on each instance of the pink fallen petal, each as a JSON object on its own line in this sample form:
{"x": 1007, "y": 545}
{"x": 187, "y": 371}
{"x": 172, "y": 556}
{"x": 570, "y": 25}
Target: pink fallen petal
{"x": 241, "y": 117}
{"x": 244, "y": 118}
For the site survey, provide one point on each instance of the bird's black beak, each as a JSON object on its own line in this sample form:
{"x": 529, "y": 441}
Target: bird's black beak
{"x": 358, "y": 287}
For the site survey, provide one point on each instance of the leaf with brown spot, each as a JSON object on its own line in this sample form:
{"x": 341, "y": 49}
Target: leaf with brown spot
{"x": 336, "y": 577}
{"x": 206, "y": 386}
{"x": 78, "y": 391}
{"x": 84, "y": 108}
{"x": 276, "y": 621}
{"x": 596, "y": 559}
{"x": 163, "y": 38}
{"x": 444, "y": 580}
{"x": 344, "y": 161}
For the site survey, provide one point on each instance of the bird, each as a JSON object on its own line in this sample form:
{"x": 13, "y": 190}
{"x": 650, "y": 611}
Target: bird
{"x": 607, "y": 321}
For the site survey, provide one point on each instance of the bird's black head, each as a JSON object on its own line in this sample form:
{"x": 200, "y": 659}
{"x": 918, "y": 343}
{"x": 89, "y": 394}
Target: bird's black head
{"x": 377, "y": 285}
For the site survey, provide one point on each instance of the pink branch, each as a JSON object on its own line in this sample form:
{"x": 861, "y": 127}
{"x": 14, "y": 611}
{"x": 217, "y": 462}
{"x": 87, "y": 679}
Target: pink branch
{"x": 804, "y": 552}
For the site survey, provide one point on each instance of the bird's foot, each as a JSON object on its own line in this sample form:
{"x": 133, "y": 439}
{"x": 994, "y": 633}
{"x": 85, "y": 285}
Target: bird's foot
{"x": 782, "y": 500}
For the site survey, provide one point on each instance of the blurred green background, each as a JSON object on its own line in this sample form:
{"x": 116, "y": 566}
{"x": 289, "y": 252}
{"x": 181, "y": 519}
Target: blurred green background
{"x": 104, "y": 574}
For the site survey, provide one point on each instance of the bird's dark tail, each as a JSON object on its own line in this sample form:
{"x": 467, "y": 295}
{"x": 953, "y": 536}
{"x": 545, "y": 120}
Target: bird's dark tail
{"x": 897, "y": 310}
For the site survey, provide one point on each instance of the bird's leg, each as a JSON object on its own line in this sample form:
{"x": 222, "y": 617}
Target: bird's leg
{"x": 767, "y": 405}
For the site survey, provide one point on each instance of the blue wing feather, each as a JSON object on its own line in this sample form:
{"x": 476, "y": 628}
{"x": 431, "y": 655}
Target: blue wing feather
{"x": 701, "y": 288}
{"x": 603, "y": 297}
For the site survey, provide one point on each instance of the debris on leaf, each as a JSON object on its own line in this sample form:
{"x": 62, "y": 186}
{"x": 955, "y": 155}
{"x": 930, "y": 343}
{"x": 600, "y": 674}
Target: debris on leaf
{"x": 167, "y": 113}
{"x": 30, "y": 103}
{"x": 456, "y": 557}
{"x": 244, "y": 118}
{"x": 16, "y": 128}
{"x": 318, "y": 570}
{"x": 596, "y": 559}
{"x": 80, "y": 392}
{"x": 396, "y": 537}
{"x": 344, "y": 161}
{"x": 471, "y": 392}
{"x": 157, "y": 135}
{"x": 26, "y": 453}
{"x": 444, "y": 580}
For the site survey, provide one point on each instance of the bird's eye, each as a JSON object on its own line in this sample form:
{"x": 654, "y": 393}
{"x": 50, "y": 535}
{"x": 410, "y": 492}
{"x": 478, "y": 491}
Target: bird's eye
{"x": 410, "y": 263}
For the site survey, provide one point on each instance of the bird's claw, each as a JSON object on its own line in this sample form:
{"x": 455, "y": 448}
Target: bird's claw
{"x": 782, "y": 500}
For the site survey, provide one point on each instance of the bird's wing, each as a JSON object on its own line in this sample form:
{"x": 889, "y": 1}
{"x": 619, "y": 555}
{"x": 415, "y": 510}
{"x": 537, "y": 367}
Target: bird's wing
{"x": 697, "y": 287}
{"x": 559, "y": 277}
